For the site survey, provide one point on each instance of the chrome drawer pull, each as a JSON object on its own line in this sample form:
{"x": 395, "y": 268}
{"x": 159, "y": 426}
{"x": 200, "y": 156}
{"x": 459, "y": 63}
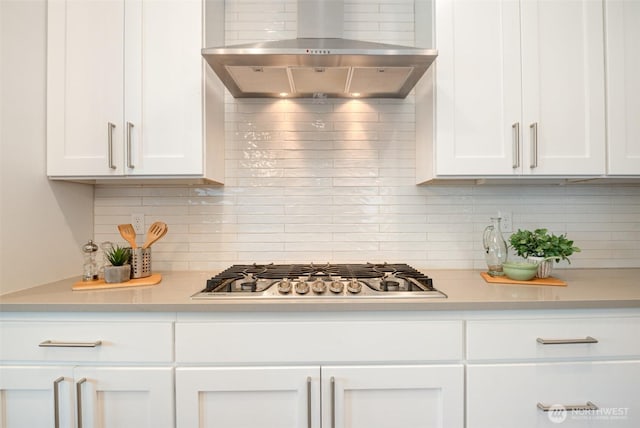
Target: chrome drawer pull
{"x": 534, "y": 145}
{"x": 516, "y": 145}
{"x": 333, "y": 401}
{"x": 587, "y": 339}
{"x": 309, "y": 402}
{"x": 568, "y": 407}
{"x": 110, "y": 128}
{"x": 56, "y": 402}
{"x": 53, "y": 344}
{"x": 79, "y": 400}
{"x": 129, "y": 156}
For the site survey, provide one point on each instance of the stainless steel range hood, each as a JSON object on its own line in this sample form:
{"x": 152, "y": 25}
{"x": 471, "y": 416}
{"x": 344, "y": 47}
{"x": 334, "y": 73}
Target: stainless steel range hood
{"x": 323, "y": 66}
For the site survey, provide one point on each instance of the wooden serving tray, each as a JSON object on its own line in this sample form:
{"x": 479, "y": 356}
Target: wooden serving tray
{"x": 535, "y": 281}
{"x": 99, "y": 284}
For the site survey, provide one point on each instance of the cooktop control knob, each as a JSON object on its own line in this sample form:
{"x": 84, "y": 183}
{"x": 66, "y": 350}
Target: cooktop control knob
{"x": 336, "y": 287}
{"x": 284, "y": 286}
{"x": 354, "y": 286}
{"x": 302, "y": 287}
{"x": 319, "y": 286}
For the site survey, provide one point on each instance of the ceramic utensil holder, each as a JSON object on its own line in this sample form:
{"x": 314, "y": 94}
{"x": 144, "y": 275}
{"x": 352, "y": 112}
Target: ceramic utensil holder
{"x": 140, "y": 262}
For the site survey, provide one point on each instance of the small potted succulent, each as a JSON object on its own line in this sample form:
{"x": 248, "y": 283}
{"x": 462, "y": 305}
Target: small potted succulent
{"x": 120, "y": 269}
{"x": 542, "y": 248}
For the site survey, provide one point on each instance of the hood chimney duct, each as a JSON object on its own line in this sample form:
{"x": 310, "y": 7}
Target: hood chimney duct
{"x": 320, "y": 19}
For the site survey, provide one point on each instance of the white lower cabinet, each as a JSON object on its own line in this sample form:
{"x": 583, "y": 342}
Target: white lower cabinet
{"x": 582, "y": 394}
{"x": 337, "y": 371}
{"x": 414, "y": 396}
{"x": 482, "y": 369}
{"x": 36, "y": 396}
{"x": 86, "y": 374}
{"x": 101, "y": 397}
{"x": 423, "y": 396}
{"x": 266, "y": 397}
{"x": 124, "y": 397}
{"x": 534, "y": 372}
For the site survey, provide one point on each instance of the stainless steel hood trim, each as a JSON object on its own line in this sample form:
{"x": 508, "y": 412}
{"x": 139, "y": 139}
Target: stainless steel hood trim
{"x": 315, "y": 45}
{"x": 318, "y": 54}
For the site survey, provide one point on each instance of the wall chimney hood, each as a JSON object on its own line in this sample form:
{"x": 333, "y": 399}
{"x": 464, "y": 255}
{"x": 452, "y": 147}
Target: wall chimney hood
{"x": 319, "y": 63}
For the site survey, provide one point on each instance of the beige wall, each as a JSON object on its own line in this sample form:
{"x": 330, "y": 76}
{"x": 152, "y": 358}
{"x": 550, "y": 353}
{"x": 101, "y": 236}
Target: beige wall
{"x": 42, "y": 223}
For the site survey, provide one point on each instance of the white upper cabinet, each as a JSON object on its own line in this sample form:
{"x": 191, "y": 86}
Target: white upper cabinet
{"x": 478, "y": 86}
{"x": 125, "y": 89}
{"x": 519, "y": 88}
{"x": 85, "y": 83}
{"x": 163, "y": 87}
{"x": 623, "y": 86}
{"x": 563, "y": 87}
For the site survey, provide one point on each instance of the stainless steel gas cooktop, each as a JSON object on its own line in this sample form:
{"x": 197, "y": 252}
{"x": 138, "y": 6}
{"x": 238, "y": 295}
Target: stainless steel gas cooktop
{"x": 325, "y": 280}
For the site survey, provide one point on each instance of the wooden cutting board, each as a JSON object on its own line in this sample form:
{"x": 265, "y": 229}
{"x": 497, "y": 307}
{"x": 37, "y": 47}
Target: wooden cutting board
{"x": 99, "y": 284}
{"x": 535, "y": 281}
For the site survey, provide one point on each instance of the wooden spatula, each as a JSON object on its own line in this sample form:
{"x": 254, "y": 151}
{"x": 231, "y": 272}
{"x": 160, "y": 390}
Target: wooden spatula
{"x": 129, "y": 234}
{"x": 156, "y": 231}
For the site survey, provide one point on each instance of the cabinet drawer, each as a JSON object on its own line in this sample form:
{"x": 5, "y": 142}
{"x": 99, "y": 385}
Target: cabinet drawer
{"x": 565, "y": 338}
{"x": 86, "y": 341}
{"x": 292, "y": 342}
{"x": 507, "y": 395}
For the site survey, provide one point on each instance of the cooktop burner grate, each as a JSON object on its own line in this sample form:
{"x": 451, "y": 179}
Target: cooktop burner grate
{"x": 320, "y": 280}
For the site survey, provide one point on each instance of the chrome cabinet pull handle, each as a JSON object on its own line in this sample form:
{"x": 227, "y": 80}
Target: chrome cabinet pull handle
{"x": 534, "y": 144}
{"x": 129, "y": 157}
{"x": 587, "y": 339}
{"x": 79, "y": 400}
{"x": 110, "y": 128}
{"x": 53, "y": 344}
{"x": 333, "y": 402}
{"x": 516, "y": 144}
{"x": 568, "y": 407}
{"x": 56, "y": 401}
{"x": 309, "y": 402}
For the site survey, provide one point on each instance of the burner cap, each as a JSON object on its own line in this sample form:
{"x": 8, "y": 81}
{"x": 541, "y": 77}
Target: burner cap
{"x": 389, "y": 285}
{"x": 248, "y": 286}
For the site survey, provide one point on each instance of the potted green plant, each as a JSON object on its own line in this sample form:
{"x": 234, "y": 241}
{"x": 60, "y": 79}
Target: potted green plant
{"x": 538, "y": 246}
{"x": 120, "y": 269}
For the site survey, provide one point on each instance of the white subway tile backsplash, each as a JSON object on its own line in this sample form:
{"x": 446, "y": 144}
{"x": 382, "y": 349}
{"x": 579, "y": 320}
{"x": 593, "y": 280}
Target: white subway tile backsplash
{"x": 333, "y": 180}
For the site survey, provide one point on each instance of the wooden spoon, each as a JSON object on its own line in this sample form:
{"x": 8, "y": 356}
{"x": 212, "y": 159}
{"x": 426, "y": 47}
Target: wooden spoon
{"x": 129, "y": 234}
{"x": 156, "y": 231}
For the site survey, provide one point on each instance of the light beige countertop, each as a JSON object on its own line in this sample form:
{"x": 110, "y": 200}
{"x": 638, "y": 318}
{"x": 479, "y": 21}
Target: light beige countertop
{"x": 587, "y": 288}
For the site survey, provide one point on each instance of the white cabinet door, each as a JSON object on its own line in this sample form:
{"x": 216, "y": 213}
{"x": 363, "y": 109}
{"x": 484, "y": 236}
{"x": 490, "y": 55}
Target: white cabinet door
{"x": 36, "y": 396}
{"x": 478, "y": 88}
{"x": 85, "y": 82}
{"x": 125, "y": 397}
{"x": 563, "y": 87}
{"x": 507, "y": 395}
{"x": 248, "y": 397}
{"x": 623, "y": 86}
{"x": 163, "y": 87}
{"x": 393, "y": 396}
